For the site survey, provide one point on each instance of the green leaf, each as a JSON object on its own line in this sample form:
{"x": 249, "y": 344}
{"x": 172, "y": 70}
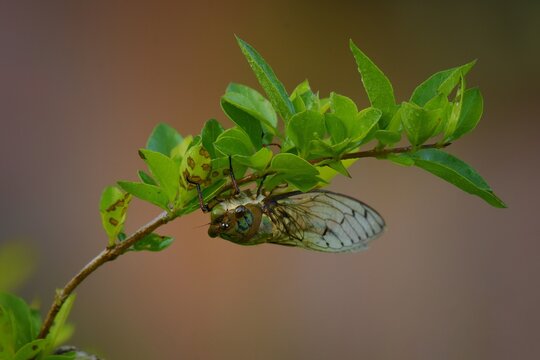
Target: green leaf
{"x": 165, "y": 170}
{"x": 69, "y": 356}
{"x": 113, "y": 209}
{"x": 272, "y": 86}
{"x": 343, "y": 107}
{"x": 339, "y": 167}
{"x": 180, "y": 150}
{"x": 357, "y": 124}
{"x": 305, "y": 127}
{"x": 470, "y": 114}
{"x": 250, "y": 106}
{"x": 233, "y": 141}
{"x": 146, "y": 192}
{"x": 163, "y": 139}
{"x": 31, "y": 349}
{"x": 456, "y": 172}
{"x": 324, "y": 105}
{"x": 378, "y": 87}
{"x": 146, "y": 178}
{"x": 152, "y": 242}
{"x": 294, "y": 170}
{"x": 58, "y": 326}
{"x": 17, "y": 326}
{"x": 387, "y": 137}
{"x": 419, "y": 123}
{"x": 210, "y": 132}
{"x": 442, "y": 82}
{"x": 304, "y": 99}
{"x": 336, "y": 128}
{"x": 400, "y": 160}
{"x": 246, "y": 122}
{"x": 365, "y": 122}
{"x": 257, "y": 161}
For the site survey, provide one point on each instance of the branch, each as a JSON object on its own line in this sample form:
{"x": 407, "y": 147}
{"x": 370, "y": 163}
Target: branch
{"x": 383, "y": 152}
{"x": 106, "y": 255}
{"x": 355, "y": 155}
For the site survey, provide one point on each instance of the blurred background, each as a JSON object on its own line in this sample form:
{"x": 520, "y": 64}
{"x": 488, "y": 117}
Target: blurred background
{"x": 82, "y": 84}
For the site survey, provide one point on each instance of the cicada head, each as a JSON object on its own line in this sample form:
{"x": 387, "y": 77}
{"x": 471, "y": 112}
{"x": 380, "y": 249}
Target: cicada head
{"x": 238, "y": 224}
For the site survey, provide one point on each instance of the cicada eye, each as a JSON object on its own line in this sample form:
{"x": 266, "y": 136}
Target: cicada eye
{"x": 239, "y": 211}
{"x": 224, "y": 226}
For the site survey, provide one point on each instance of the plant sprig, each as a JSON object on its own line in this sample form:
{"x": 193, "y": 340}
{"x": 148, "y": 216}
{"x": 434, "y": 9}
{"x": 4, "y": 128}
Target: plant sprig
{"x": 316, "y": 139}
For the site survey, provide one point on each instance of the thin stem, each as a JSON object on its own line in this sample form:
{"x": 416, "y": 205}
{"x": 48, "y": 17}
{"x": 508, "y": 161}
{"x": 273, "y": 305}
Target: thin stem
{"x": 106, "y": 255}
{"x": 355, "y": 155}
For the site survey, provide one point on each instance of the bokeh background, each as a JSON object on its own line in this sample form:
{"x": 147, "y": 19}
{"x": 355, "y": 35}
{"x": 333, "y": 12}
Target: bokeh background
{"x": 82, "y": 83}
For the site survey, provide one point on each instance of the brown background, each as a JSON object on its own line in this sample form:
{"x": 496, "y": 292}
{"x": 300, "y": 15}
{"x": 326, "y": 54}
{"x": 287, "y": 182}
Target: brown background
{"x": 82, "y": 83}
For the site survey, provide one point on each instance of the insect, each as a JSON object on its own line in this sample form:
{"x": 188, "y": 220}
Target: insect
{"x": 316, "y": 220}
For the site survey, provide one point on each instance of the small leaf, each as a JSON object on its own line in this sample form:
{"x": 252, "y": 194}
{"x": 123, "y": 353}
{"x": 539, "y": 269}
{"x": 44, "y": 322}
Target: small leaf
{"x": 146, "y": 178}
{"x": 253, "y": 104}
{"x": 31, "y": 349}
{"x": 210, "y": 132}
{"x": 400, "y": 160}
{"x": 257, "y": 161}
{"x": 230, "y": 103}
{"x": 305, "y": 127}
{"x": 304, "y": 99}
{"x": 298, "y": 103}
{"x": 451, "y": 115}
{"x": 442, "y": 82}
{"x": 68, "y": 356}
{"x": 336, "y": 128}
{"x": 471, "y": 112}
{"x": 58, "y": 325}
{"x": 152, "y": 242}
{"x": 387, "y": 137}
{"x": 163, "y": 139}
{"x": 113, "y": 208}
{"x": 165, "y": 170}
{"x": 358, "y": 124}
{"x": 419, "y": 123}
{"x": 180, "y": 150}
{"x": 378, "y": 87}
{"x": 233, "y": 141}
{"x": 456, "y": 172}
{"x": 339, "y": 167}
{"x": 294, "y": 170}
{"x": 343, "y": 107}
{"x": 16, "y": 324}
{"x": 365, "y": 121}
{"x": 150, "y": 193}
{"x": 272, "y": 86}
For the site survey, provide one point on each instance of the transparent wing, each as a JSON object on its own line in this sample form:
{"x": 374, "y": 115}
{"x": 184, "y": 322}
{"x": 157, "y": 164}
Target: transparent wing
{"x": 324, "y": 221}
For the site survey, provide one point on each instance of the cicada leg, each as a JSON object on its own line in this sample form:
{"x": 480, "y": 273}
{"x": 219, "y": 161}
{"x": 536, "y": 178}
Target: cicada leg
{"x": 233, "y": 179}
{"x": 204, "y": 207}
{"x": 260, "y": 187}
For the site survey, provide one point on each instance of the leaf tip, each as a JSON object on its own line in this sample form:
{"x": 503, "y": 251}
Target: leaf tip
{"x": 239, "y": 40}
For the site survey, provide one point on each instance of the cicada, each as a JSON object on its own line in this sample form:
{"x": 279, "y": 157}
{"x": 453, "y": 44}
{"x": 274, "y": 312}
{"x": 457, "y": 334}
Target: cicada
{"x": 316, "y": 220}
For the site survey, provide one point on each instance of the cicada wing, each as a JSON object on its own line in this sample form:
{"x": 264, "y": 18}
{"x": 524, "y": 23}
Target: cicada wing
{"x": 324, "y": 221}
